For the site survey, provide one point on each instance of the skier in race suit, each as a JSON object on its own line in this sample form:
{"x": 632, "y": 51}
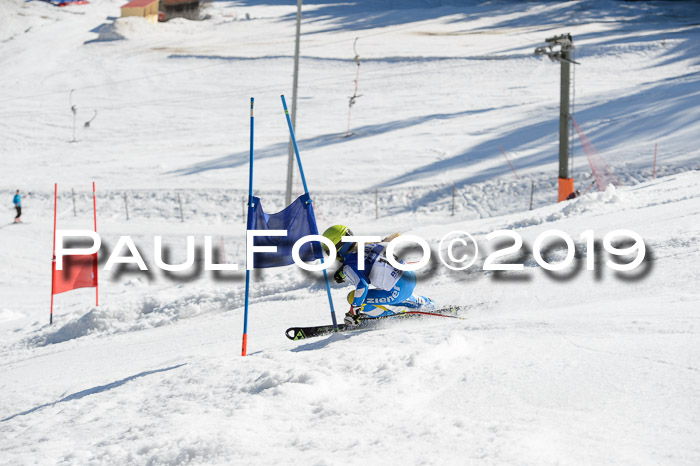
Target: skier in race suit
{"x": 392, "y": 286}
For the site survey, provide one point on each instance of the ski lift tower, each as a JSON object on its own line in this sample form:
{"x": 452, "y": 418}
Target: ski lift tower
{"x": 559, "y": 49}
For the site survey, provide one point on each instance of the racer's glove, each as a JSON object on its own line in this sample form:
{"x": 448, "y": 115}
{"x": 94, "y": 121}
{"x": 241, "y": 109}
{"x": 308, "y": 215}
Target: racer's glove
{"x": 339, "y": 276}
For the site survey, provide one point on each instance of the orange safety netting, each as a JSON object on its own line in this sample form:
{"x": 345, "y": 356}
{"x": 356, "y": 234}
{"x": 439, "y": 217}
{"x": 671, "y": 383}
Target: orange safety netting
{"x": 602, "y": 172}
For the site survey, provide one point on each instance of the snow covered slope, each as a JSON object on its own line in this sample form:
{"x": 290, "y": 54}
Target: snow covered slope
{"x": 443, "y": 85}
{"x": 578, "y": 366}
{"x": 582, "y": 366}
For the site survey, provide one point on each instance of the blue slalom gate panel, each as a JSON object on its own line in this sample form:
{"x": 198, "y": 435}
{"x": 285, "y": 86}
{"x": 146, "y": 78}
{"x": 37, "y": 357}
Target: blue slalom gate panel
{"x": 299, "y": 221}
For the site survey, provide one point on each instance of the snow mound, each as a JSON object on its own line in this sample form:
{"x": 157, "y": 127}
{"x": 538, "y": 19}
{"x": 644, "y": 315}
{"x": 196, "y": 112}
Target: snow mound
{"x": 162, "y": 308}
{"x": 600, "y": 202}
{"x": 130, "y": 27}
{"x": 149, "y": 312}
{"x": 595, "y": 202}
{"x": 6, "y": 315}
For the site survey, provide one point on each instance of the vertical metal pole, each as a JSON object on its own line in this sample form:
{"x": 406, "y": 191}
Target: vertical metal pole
{"x": 532, "y": 191}
{"x": 653, "y": 173}
{"x": 572, "y": 105}
{"x": 126, "y": 207}
{"x": 453, "y": 199}
{"x": 182, "y": 217}
{"x": 244, "y": 349}
{"x": 72, "y": 193}
{"x": 295, "y": 84}
{"x": 94, "y": 261}
{"x": 564, "y": 113}
{"x": 565, "y": 180}
{"x": 357, "y": 83}
{"x": 314, "y": 230}
{"x": 53, "y": 260}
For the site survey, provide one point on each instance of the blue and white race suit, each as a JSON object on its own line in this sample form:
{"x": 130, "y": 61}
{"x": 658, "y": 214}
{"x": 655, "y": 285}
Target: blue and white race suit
{"x": 392, "y": 286}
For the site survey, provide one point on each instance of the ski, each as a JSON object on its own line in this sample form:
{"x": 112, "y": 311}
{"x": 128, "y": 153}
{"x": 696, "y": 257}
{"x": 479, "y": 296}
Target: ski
{"x": 301, "y": 333}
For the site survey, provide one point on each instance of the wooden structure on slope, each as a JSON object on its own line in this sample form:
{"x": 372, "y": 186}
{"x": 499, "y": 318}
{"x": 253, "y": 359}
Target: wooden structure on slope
{"x": 144, "y": 8}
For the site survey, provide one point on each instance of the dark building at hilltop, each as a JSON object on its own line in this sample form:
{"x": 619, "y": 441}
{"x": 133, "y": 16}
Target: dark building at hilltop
{"x": 170, "y": 9}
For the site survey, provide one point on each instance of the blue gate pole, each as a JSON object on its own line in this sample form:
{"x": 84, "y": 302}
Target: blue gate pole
{"x": 314, "y": 228}
{"x": 249, "y": 220}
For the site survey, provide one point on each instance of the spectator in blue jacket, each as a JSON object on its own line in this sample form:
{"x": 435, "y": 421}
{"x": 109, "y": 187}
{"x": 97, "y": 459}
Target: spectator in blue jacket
{"x": 18, "y": 206}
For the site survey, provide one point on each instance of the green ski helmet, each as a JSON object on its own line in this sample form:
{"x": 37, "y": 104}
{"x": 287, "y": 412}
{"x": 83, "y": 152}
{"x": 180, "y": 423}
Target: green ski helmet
{"x": 335, "y": 233}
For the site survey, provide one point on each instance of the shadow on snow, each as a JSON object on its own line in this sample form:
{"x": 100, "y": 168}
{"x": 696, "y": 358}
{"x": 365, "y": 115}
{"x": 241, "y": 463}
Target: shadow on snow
{"x": 92, "y": 391}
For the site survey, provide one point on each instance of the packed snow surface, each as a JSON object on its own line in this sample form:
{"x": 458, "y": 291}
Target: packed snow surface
{"x": 569, "y": 367}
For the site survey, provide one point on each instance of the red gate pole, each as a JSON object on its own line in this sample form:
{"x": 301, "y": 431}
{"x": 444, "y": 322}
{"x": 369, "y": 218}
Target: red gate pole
{"x": 94, "y": 261}
{"x": 53, "y": 260}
